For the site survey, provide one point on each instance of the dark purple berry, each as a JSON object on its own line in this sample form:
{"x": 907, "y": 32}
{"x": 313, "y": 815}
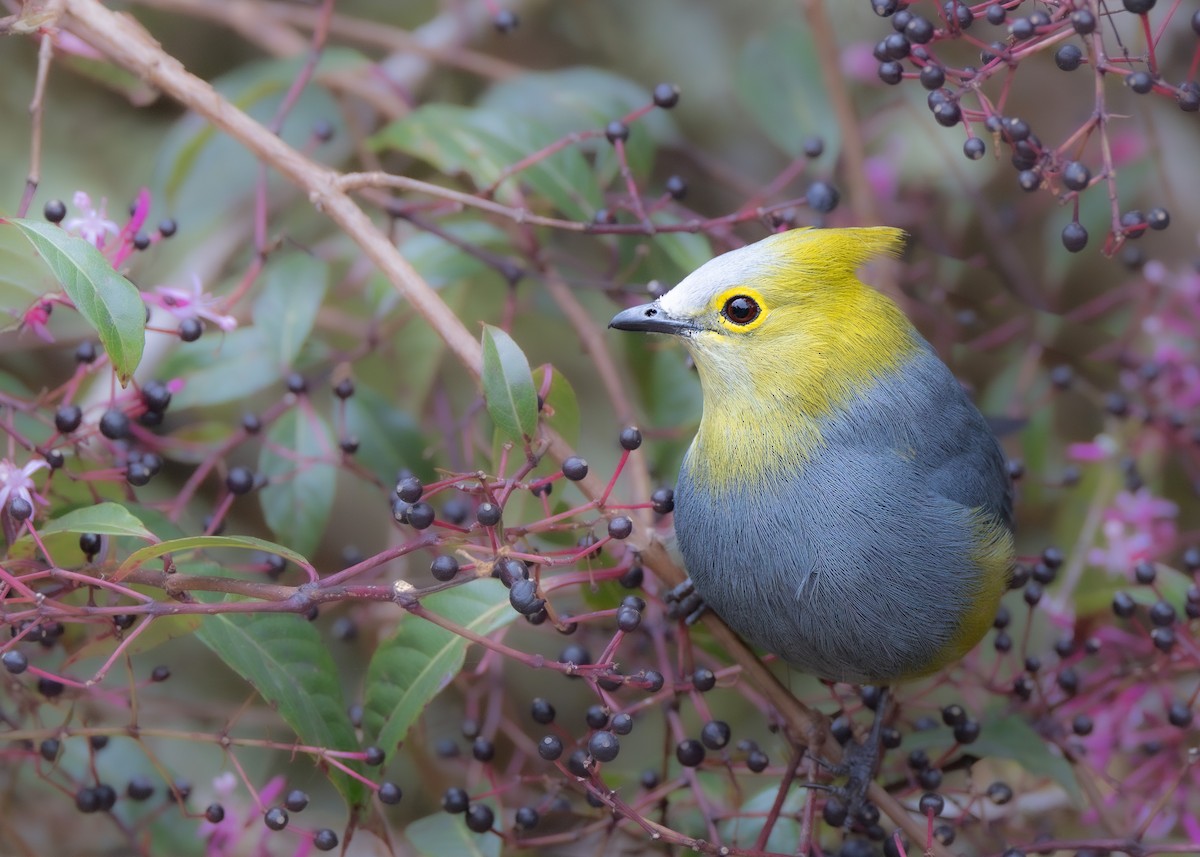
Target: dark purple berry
{"x": 455, "y": 800}
{"x": 1140, "y": 82}
{"x": 933, "y": 76}
{"x": 68, "y": 418}
{"x": 891, "y": 73}
{"x": 616, "y": 131}
{"x": 325, "y": 839}
{"x": 506, "y": 21}
{"x": 715, "y": 734}
{"x": 1074, "y": 236}
{"x": 240, "y": 480}
{"x": 54, "y": 210}
{"x": 604, "y": 746}
{"x": 1069, "y": 57}
{"x": 190, "y": 329}
{"x": 114, "y": 425}
{"x": 1083, "y": 21}
{"x": 1076, "y": 175}
{"x": 575, "y": 468}
{"x": 550, "y": 748}
{"x": 480, "y": 818}
{"x": 666, "y": 95}
{"x": 822, "y": 197}
{"x": 689, "y": 752}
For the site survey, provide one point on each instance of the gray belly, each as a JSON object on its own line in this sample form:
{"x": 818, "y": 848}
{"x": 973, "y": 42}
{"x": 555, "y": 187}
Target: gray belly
{"x": 857, "y": 575}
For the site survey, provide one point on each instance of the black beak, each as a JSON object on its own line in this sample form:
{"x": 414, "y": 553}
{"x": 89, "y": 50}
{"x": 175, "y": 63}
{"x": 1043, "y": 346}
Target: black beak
{"x": 650, "y": 318}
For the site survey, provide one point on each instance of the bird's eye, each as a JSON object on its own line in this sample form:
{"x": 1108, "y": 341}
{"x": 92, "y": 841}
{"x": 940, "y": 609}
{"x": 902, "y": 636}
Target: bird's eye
{"x": 741, "y": 309}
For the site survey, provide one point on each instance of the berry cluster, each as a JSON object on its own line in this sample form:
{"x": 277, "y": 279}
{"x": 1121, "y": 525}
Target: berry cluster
{"x": 926, "y": 45}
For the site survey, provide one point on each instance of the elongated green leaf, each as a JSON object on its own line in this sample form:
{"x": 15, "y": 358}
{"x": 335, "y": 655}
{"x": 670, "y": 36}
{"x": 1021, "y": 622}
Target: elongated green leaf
{"x": 688, "y": 251}
{"x": 23, "y": 276}
{"x": 109, "y": 302}
{"x": 579, "y": 99}
{"x": 779, "y": 81}
{"x": 443, "y": 834}
{"x": 105, "y": 519}
{"x": 222, "y": 368}
{"x": 483, "y": 143}
{"x": 562, "y": 407}
{"x": 287, "y": 662}
{"x": 745, "y": 827}
{"x": 297, "y": 500}
{"x": 286, "y": 309}
{"x": 189, "y": 543}
{"x": 161, "y": 630}
{"x": 195, "y": 151}
{"x": 412, "y": 666}
{"x": 508, "y": 385}
{"x": 388, "y": 438}
{"x": 1011, "y": 737}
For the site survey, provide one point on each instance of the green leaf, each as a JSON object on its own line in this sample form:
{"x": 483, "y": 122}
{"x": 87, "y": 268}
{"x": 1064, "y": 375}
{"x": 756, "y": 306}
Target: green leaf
{"x": 287, "y": 662}
{"x": 482, "y": 144}
{"x": 194, "y": 442}
{"x": 412, "y": 666}
{"x": 105, "y": 519}
{"x": 23, "y": 276}
{"x": 189, "y": 543}
{"x": 111, "y": 76}
{"x": 298, "y": 497}
{"x": 1011, "y": 737}
{"x": 109, "y": 302}
{"x": 221, "y": 368}
{"x": 286, "y": 309}
{"x": 162, "y": 629}
{"x": 508, "y": 385}
{"x": 780, "y": 83}
{"x": 669, "y": 393}
{"x": 746, "y": 826}
{"x": 443, "y": 834}
{"x": 686, "y": 250}
{"x": 584, "y": 99}
{"x": 195, "y": 150}
{"x": 388, "y": 437}
{"x": 561, "y": 412}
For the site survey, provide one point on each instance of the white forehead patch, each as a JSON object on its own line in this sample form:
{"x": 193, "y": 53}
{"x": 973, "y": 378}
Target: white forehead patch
{"x": 696, "y": 291}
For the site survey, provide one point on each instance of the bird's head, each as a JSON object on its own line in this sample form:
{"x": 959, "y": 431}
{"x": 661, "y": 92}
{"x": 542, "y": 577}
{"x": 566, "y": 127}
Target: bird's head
{"x": 785, "y": 319}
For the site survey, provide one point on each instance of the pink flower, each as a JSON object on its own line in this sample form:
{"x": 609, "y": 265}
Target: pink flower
{"x": 92, "y": 225}
{"x": 1127, "y": 146}
{"x": 17, "y": 482}
{"x": 193, "y": 303}
{"x": 1100, "y": 449}
{"x": 1138, "y": 527}
{"x": 882, "y": 177}
{"x": 859, "y": 63}
{"x": 241, "y": 828}
{"x": 37, "y": 317}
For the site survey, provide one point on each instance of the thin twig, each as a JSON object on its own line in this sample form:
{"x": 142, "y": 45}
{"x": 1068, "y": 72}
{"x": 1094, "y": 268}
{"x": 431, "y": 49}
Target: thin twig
{"x": 45, "y": 57}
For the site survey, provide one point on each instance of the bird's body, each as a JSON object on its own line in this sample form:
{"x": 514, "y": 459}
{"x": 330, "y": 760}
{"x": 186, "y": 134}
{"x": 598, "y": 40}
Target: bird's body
{"x": 844, "y": 504}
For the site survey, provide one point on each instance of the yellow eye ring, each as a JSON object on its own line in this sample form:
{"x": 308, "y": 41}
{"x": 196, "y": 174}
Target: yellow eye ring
{"x": 740, "y": 309}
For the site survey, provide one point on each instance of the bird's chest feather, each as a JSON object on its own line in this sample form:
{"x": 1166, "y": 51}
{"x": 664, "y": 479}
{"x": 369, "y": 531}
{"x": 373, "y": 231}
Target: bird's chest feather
{"x": 846, "y": 554}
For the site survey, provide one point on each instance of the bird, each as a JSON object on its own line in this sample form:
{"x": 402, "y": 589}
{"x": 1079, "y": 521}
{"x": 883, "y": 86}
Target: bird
{"x": 844, "y": 504}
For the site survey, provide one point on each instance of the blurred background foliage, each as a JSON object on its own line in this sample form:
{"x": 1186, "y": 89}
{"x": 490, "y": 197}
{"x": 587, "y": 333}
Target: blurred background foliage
{"x": 986, "y": 278}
